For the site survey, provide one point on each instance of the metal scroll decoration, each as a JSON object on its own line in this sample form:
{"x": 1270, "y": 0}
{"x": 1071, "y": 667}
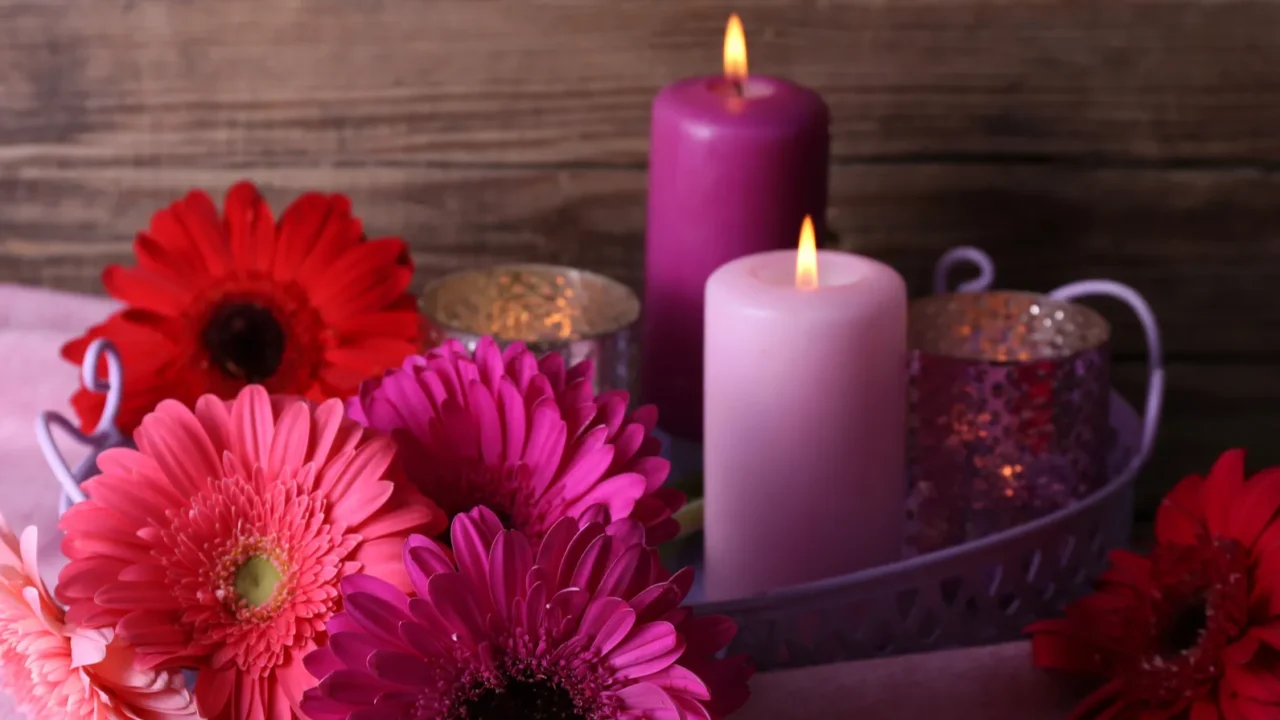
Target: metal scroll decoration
{"x": 100, "y": 355}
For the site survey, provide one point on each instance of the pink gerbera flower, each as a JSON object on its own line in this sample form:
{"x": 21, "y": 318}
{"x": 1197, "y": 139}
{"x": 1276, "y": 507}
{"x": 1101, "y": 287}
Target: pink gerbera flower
{"x": 58, "y": 672}
{"x": 584, "y": 626}
{"x": 219, "y": 543}
{"x": 523, "y": 437}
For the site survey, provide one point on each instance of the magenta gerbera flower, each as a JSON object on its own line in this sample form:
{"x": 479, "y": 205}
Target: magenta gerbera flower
{"x": 523, "y": 437}
{"x": 585, "y": 626}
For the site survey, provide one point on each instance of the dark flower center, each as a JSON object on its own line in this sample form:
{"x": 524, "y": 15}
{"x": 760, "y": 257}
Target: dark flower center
{"x": 473, "y": 483}
{"x": 522, "y": 700}
{"x": 1187, "y": 626}
{"x": 1199, "y": 605}
{"x": 503, "y": 516}
{"x": 245, "y": 341}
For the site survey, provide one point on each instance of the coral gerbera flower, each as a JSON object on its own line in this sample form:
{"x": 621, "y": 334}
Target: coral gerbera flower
{"x": 59, "y": 672}
{"x": 524, "y": 437}
{"x": 1193, "y": 631}
{"x": 304, "y": 307}
{"x": 219, "y": 543}
{"x": 584, "y": 626}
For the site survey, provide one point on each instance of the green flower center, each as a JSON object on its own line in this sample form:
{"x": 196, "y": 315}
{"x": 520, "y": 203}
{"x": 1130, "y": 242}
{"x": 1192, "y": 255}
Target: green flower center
{"x": 256, "y": 580}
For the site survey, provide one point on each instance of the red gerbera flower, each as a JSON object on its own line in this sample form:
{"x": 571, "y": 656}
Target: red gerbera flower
{"x": 1193, "y": 631}
{"x": 304, "y": 307}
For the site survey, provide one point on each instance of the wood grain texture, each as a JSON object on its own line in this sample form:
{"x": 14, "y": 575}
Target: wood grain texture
{"x": 1203, "y": 246}
{"x": 1209, "y": 408}
{"x": 517, "y": 82}
{"x": 1129, "y": 139}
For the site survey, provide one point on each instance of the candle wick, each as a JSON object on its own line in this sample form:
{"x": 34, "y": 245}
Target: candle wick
{"x": 737, "y": 88}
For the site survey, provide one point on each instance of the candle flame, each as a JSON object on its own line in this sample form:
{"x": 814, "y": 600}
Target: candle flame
{"x": 807, "y": 257}
{"x": 735, "y": 50}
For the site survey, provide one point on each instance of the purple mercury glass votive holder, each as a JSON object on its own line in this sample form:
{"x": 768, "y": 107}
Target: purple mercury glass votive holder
{"x": 1008, "y": 409}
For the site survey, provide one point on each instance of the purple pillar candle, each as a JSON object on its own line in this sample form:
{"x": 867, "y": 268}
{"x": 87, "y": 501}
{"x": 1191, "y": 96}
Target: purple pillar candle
{"x": 735, "y": 164}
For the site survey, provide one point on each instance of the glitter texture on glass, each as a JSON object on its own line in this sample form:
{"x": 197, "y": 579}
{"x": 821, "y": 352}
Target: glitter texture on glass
{"x": 1008, "y": 412}
{"x": 576, "y": 313}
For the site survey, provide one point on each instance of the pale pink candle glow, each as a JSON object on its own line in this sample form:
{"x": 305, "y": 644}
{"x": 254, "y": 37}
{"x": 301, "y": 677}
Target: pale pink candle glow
{"x": 805, "y": 414}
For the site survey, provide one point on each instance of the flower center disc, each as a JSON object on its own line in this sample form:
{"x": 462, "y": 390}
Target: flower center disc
{"x": 245, "y": 341}
{"x": 1188, "y": 625}
{"x": 256, "y": 580}
{"x": 523, "y": 700}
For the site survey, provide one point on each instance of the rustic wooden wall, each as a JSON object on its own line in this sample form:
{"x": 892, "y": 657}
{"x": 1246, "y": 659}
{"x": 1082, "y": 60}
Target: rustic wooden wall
{"x": 1130, "y": 139}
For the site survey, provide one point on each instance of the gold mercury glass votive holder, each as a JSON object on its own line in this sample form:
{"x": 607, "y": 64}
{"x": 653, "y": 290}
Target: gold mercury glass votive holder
{"x": 550, "y": 308}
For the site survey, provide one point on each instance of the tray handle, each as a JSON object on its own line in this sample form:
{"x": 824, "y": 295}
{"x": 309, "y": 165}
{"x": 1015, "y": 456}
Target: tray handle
{"x": 104, "y": 435}
{"x": 1155, "y": 353}
{"x": 981, "y": 261}
{"x": 964, "y": 255}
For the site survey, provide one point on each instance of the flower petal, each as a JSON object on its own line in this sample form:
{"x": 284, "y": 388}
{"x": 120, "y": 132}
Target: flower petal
{"x": 592, "y": 565}
{"x": 619, "y": 493}
{"x": 1226, "y": 479}
{"x": 555, "y": 544}
{"x": 450, "y": 598}
{"x": 250, "y": 227}
{"x": 1256, "y": 507}
{"x": 1180, "y": 516}
{"x": 648, "y": 649}
{"x": 586, "y": 466}
{"x": 424, "y": 557}
{"x": 473, "y": 535}
{"x": 509, "y": 565}
{"x": 513, "y": 417}
{"x": 1205, "y": 710}
{"x": 401, "y": 668}
{"x": 252, "y": 425}
{"x": 173, "y": 438}
{"x": 1055, "y": 646}
{"x": 613, "y": 627}
{"x": 679, "y": 679}
{"x": 351, "y": 688}
{"x": 289, "y": 442}
{"x": 378, "y": 614}
{"x": 619, "y": 579}
{"x": 646, "y": 700}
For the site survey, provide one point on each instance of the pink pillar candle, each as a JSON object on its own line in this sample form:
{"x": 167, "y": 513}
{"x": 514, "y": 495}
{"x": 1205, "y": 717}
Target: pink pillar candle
{"x": 805, "y": 420}
{"x": 734, "y": 166}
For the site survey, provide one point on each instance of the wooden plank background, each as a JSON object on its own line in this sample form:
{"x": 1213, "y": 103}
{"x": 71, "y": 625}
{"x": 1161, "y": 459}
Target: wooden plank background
{"x": 1131, "y": 139}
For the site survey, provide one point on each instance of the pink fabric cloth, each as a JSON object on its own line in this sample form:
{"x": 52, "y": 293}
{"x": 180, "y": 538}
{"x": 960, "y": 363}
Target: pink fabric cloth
{"x": 33, "y": 325}
{"x": 995, "y": 683}
{"x": 986, "y": 683}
